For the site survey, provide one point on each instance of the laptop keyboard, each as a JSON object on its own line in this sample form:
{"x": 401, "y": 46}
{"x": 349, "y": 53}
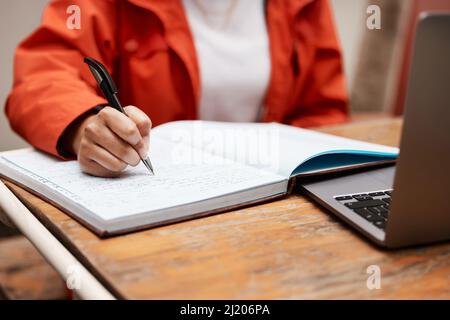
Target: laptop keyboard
{"x": 372, "y": 206}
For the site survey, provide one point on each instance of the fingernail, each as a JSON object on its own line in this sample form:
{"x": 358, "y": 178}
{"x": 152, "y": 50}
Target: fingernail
{"x": 143, "y": 152}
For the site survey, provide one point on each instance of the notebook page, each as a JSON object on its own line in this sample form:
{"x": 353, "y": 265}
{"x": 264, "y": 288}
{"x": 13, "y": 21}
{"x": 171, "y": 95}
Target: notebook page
{"x": 175, "y": 183}
{"x": 268, "y": 146}
{"x": 300, "y": 144}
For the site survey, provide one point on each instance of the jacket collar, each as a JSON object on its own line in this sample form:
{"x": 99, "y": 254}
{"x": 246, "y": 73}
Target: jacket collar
{"x": 172, "y": 17}
{"x": 179, "y": 39}
{"x": 296, "y": 6}
{"x": 163, "y": 8}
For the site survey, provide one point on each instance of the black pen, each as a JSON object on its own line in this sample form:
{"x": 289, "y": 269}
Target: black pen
{"x": 109, "y": 90}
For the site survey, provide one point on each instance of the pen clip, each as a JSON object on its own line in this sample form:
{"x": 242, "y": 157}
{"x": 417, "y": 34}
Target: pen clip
{"x": 101, "y": 74}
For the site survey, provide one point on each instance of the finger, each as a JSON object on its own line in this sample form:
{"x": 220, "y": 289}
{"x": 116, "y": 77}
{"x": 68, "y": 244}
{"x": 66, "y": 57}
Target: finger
{"x": 147, "y": 144}
{"x": 94, "y": 169}
{"x": 123, "y": 126}
{"x": 144, "y": 125}
{"x": 104, "y": 137}
{"x": 142, "y": 121}
{"x": 105, "y": 159}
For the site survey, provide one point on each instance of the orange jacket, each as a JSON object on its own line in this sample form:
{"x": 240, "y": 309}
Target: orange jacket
{"x": 148, "y": 47}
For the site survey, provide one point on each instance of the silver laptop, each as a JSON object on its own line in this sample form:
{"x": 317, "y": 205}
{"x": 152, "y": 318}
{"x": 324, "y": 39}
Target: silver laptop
{"x": 407, "y": 204}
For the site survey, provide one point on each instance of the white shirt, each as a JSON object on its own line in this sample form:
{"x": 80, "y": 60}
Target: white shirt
{"x": 232, "y": 47}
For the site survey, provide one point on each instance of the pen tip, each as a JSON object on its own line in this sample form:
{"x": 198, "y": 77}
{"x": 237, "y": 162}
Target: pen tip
{"x": 149, "y": 166}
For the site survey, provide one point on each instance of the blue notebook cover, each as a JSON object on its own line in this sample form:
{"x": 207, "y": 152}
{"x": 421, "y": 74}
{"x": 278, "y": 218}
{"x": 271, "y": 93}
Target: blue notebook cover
{"x": 338, "y": 160}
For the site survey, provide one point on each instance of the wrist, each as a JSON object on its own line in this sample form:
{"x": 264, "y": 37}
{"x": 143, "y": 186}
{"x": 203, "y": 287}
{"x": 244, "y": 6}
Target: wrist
{"x": 77, "y": 134}
{"x": 69, "y": 141}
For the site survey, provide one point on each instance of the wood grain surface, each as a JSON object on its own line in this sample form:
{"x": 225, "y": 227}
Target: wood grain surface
{"x": 287, "y": 249}
{"x": 25, "y": 275}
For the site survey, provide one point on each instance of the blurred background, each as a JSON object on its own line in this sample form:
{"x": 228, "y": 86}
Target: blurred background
{"x": 376, "y": 61}
{"x": 18, "y": 18}
{"x": 380, "y": 51}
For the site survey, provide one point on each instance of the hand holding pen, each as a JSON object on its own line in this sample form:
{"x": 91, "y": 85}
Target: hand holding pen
{"x": 109, "y": 90}
{"x": 107, "y": 142}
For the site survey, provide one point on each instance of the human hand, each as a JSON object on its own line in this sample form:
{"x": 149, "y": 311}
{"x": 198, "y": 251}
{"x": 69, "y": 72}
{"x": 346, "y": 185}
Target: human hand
{"x": 106, "y": 143}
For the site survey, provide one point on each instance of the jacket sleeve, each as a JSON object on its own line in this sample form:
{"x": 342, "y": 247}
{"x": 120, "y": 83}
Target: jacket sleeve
{"x": 323, "y": 97}
{"x": 52, "y": 85}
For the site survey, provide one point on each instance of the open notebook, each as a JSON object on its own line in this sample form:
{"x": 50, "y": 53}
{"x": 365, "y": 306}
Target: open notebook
{"x": 201, "y": 168}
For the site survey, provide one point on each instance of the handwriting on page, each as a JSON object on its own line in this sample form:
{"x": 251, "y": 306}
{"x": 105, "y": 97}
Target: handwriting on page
{"x": 136, "y": 191}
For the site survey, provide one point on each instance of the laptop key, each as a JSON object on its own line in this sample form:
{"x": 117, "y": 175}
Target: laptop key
{"x": 366, "y": 214}
{"x": 382, "y": 209}
{"x": 380, "y": 224}
{"x": 364, "y": 204}
{"x": 343, "y": 198}
{"x": 384, "y": 214}
{"x": 363, "y": 198}
{"x": 376, "y": 194}
{"x": 374, "y": 210}
{"x": 376, "y": 217}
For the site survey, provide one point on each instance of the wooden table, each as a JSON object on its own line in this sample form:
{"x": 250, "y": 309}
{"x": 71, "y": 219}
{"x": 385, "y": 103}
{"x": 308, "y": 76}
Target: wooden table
{"x": 288, "y": 249}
